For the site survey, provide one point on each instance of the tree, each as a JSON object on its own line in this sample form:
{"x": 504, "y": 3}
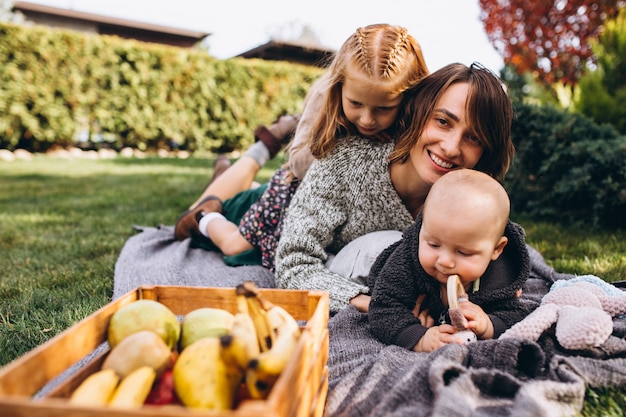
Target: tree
{"x": 7, "y": 14}
{"x": 548, "y": 38}
{"x": 603, "y": 91}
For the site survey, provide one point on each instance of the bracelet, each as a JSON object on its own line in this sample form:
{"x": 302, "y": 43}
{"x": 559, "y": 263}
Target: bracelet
{"x": 206, "y": 219}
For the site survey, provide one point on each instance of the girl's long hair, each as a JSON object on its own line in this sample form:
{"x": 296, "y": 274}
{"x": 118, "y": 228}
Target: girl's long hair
{"x": 384, "y": 54}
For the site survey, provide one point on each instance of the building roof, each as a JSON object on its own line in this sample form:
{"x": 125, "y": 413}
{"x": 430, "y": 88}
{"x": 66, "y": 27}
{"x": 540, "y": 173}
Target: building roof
{"x": 106, "y": 25}
{"x": 292, "y": 51}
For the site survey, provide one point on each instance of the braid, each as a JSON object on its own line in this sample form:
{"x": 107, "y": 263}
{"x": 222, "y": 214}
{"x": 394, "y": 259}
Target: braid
{"x": 390, "y": 61}
{"x": 362, "y": 49}
{"x": 383, "y": 55}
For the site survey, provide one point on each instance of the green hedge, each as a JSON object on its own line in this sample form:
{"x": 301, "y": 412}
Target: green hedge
{"x": 568, "y": 169}
{"x": 55, "y": 84}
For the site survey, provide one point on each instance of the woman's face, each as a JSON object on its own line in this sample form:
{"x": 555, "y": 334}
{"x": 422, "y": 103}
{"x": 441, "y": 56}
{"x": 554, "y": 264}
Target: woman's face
{"x": 447, "y": 141}
{"x": 371, "y": 110}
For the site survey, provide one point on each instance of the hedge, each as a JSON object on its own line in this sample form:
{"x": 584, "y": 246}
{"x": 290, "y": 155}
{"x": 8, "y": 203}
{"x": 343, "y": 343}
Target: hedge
{"x": 55, "y": 84}
{"x": 567, "y": 168}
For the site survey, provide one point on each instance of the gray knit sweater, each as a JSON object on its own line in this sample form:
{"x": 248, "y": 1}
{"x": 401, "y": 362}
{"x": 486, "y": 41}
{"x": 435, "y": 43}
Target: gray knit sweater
{"x": 342, "y": 197}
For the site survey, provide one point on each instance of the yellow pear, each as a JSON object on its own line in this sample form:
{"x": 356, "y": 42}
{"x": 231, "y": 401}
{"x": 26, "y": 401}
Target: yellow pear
{"x": 144, "y": 315}
{"x": 143, "y": 348}
{"x": 202, "y": 379}
{"x": 205, "y": 322}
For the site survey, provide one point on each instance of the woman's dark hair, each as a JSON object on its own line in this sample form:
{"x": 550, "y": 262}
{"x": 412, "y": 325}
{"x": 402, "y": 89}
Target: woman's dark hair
{"x": 489, "y": 113}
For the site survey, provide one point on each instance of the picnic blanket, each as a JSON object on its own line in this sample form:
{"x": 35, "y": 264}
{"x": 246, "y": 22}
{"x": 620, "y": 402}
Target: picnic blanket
{"x": 512, "y": 377}
{"x": 154, "y": 257}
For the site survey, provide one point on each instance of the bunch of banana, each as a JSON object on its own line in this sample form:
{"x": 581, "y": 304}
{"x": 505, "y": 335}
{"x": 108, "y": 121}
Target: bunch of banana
{"x": 264, "y": 331}
{"x": 278, "y": 333}
{"x": 241, "y": 344}
{"x": 102, "y": 389}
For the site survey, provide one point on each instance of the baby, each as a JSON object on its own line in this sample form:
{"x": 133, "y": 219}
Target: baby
{"x": 463, "y": 230}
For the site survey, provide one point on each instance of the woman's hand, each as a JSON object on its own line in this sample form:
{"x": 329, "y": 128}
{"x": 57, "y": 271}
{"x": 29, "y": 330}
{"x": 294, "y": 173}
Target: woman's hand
{"x": 361, "y": 302}
{"x": 477, "y": 320}
{"x": 423, "y": 316}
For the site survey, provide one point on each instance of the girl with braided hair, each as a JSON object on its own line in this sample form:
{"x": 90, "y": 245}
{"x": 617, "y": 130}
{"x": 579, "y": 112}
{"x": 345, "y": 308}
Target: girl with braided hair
{"x": 360, "y": 96}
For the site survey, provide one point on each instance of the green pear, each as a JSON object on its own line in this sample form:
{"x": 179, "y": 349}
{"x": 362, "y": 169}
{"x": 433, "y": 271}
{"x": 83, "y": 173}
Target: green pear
{"x": 205, "y": 322}
{"x": 144, "y": 315}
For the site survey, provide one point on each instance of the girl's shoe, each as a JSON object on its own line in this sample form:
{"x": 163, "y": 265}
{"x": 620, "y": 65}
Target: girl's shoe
{"x": 277, "y": 134}
{"x": 187, "y": 223}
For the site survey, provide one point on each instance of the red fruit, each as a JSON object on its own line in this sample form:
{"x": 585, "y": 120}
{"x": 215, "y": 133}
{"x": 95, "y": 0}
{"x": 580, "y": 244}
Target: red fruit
{"x": 162, "y": 392}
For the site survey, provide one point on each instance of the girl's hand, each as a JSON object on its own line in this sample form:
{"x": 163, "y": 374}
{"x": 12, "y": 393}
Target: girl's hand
{"x": 477, "y": 320}
{"x": 436, "y": 337}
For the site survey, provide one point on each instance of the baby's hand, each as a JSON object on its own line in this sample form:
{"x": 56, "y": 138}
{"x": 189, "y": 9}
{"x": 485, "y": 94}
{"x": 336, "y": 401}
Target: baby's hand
{"x": 436, "y": 337}
{"x": 477, "y": 320}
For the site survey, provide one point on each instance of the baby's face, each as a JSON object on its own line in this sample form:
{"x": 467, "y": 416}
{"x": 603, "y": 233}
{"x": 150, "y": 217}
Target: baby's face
{"x": 459, "y": 244}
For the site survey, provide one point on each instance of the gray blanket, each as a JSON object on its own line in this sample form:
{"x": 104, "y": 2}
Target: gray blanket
{"x": 366, "y": 378}
{"x": 153, "y": 257}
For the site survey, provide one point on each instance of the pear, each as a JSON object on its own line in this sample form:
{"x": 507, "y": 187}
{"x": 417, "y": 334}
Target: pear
{"x": 205, "y": 322}
{"x": 202, "y": 380}
{"x": 142, "y": 348}
{"x": 144, "y": 315}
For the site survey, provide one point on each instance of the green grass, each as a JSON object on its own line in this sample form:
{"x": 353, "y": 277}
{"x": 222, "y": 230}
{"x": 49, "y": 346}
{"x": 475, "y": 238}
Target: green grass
{"x": 63, "y": 223}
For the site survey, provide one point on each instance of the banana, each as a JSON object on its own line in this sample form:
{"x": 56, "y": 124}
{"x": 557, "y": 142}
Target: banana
{"x": 96, "y": 390}
{"x": 266, "y": 367}
{"x": 258, "y": 386}
{"x": 264, "y": 331}
{"x": 263, "y": 371}
{"x": 134, "y": 388}
{"x": 273, "y": 361}
{"x": 241, "y": 344}
{"x": 280, "y": 320}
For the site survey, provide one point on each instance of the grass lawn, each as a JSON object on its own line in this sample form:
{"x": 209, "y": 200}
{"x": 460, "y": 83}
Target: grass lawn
{"x": 64, "y": 222}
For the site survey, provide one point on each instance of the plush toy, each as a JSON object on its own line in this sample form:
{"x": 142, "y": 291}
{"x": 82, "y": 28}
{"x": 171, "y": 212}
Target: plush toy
{"x": 582, "y": 308}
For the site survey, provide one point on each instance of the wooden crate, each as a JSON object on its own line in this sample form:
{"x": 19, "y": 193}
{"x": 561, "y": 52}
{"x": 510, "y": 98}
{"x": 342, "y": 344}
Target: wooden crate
{"x": 300, "y": 391}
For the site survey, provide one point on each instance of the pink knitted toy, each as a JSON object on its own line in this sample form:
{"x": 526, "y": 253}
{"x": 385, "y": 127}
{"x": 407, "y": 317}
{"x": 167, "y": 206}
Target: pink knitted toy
{"x": 582, "y": 308}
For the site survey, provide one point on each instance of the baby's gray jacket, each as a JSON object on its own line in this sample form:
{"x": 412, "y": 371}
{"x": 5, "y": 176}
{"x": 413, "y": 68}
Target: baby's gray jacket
{"x": 397, "y": 279}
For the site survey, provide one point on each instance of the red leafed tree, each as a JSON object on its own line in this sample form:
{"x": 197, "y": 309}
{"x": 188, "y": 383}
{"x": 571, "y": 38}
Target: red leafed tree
{"x": 549, "y": 38}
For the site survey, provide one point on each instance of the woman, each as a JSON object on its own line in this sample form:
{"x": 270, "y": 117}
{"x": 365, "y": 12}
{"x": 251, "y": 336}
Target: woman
{"x": 461, "y": 118}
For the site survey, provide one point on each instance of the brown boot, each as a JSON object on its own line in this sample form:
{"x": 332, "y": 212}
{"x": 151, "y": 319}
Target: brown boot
{"x": 277, "y": 134}
{"x": 221, "y": 164}
{"x": 187, "y": 223}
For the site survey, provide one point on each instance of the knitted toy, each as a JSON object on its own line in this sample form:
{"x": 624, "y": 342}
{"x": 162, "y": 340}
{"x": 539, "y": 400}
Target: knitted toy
{"x": 582, "y": 308}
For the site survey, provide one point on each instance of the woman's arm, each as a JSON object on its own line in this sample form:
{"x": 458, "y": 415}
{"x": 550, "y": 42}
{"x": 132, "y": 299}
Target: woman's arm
{"x": 317, "y": 211}
{"x": 343, "y": 196}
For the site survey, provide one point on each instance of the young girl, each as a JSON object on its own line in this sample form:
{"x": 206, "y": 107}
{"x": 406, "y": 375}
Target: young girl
{"x": 362, "y": 95}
